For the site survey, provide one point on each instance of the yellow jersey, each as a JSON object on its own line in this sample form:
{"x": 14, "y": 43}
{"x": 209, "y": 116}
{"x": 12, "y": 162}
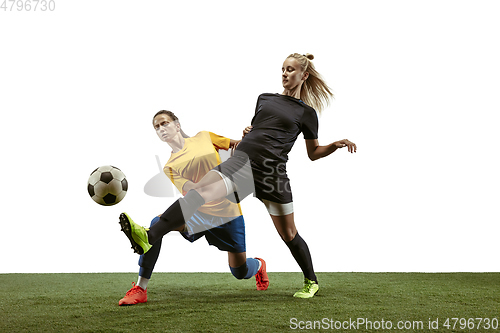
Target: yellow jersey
{"x": 198, "y": 156}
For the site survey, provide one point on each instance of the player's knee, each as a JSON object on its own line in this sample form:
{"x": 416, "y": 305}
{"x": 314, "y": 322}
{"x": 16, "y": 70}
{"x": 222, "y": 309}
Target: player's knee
{"x": 239, "y": 272}
{"x": 288, "y": 235}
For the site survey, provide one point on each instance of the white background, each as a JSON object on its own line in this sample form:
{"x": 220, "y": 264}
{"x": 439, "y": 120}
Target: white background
{"x": 416, "y": 85}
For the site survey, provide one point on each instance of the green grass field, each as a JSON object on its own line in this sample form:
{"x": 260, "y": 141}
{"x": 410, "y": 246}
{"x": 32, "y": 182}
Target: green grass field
{"x": 217, "y": 302}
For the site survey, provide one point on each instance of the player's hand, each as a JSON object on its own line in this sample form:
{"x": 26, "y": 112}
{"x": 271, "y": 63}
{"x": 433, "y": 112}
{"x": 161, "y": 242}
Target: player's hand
{"x": 247, "y": 130}
{"x": 351, "y": 146}
{"x": 235, "y": 144}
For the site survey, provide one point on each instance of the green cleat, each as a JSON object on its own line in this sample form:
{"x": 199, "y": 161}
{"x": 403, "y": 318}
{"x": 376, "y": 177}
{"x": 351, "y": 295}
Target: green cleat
{"x": 137, "y": 235}
{"x": 309, "y": 290}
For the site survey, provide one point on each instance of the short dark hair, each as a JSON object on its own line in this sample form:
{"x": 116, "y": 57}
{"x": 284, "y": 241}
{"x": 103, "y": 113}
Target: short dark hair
{"x": 173, "y": 117}
{"x": 168, "y": 113}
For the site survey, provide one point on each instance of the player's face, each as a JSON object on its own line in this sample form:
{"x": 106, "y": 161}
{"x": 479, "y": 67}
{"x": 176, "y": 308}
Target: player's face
{"x": 165, "y": 127}
{"x": 292, "y": 74}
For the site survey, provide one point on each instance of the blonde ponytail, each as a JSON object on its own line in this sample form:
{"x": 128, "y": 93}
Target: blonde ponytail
{"x": 315, "y": 92}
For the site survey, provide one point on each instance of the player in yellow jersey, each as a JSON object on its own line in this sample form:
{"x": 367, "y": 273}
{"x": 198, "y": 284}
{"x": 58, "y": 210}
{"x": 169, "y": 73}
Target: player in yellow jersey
{"x": 258, "y": 165}
{"x": 220, "y": 221}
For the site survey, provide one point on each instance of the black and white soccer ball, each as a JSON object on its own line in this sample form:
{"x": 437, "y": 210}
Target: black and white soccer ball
{"x": 107, "y": 185}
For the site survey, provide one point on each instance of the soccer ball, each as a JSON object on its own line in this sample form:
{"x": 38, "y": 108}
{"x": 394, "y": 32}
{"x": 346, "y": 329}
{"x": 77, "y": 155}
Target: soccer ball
{"x": 107, "y": 185}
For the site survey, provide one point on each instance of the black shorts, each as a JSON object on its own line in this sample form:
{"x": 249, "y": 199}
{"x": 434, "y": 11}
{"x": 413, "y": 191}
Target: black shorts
{"x": 251, "y": 177}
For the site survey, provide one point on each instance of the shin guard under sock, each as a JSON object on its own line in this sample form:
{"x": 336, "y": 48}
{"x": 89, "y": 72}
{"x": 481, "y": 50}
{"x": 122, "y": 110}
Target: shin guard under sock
{"x": 239, "y": 272}
{"x": 300, "y": 252}
{"x": 176, "y": 215}
{"x": 247, "y": 270}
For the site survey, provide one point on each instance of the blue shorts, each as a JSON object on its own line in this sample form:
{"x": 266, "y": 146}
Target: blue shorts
{"x": 226, "y": 236}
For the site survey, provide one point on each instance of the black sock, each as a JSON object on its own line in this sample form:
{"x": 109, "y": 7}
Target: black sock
{"x": 300, "y": 252}
{"x": 176, "y": 215}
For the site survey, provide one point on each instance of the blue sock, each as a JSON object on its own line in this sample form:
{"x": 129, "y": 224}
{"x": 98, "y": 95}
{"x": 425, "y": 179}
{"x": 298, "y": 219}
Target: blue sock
{"x": 247, "y": 270}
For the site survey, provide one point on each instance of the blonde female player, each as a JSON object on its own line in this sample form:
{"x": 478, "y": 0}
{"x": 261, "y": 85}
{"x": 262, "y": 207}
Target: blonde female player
{"x": 259, "y": 164}
{"x": 220, "y": 221}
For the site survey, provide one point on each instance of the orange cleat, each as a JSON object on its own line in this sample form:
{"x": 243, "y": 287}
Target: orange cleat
{"x": 135, "y": 295}
{"x": 261, "y": 278}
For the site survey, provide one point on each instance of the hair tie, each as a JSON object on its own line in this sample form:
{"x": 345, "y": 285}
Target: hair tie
{"x": 308, "y": 56}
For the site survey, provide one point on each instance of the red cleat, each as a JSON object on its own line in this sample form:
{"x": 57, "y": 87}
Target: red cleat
{"x": 261, "y": 278}
{"x": 135, "y": 295}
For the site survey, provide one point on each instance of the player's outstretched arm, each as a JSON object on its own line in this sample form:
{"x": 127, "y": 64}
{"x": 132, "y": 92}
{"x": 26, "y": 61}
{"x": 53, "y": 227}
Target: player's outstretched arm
{"x": 315, "y": 151}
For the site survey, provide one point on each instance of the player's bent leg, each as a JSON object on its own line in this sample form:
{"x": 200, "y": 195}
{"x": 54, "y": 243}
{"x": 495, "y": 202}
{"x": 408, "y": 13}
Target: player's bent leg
{"x": 248, "y": 269}
{"x": 243, "y": 268}
{"x": 211, "y": 187}
{"x": 147, "y": 261}
{"x": 136, "y": 234}
{"x": 176, "y": 215}
{"x": 236, "y": 259}
{"x": 134, "y": 296}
